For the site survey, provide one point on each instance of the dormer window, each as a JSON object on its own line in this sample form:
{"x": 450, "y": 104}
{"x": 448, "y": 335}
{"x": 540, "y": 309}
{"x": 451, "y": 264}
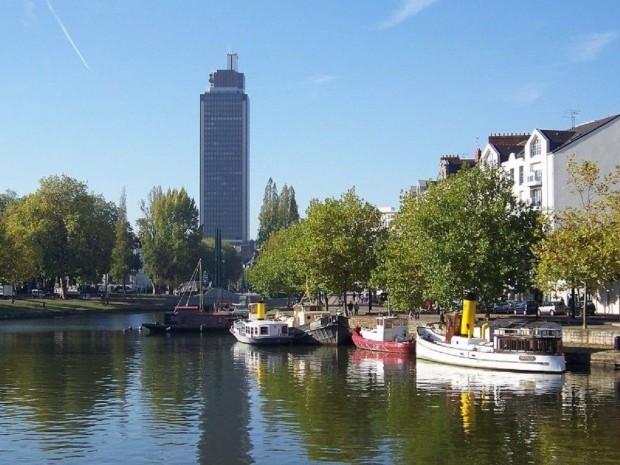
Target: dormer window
{"x": 535, "y": 147}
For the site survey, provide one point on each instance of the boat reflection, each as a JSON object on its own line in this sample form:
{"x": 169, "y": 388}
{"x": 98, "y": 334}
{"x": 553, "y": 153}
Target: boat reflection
{"x": 298, "y": 361}
{"x": 432, "y": 376}
{"x": 469, "y": 392}
{"x": 380, "y": 366}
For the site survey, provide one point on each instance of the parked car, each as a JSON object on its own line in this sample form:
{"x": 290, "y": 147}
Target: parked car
{"x": 503, "y": 307}
{"x": 590, "y": 309}
{"x": 555, "y": 307}
{"x": 40, "y": 293}
{"x": 526, "y": 307}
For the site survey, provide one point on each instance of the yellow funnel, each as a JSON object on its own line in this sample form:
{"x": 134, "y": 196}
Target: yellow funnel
{"x": 260, "y": 310}
{"x": 469, "y": 315}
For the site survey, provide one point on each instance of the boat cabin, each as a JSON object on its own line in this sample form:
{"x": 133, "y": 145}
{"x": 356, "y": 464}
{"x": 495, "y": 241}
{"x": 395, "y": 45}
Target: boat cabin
{"x": 543, "y": 337}
{"x": 307, "y": 313}
{"x": 388, "y": 328}
{"x": 257, "y": 329}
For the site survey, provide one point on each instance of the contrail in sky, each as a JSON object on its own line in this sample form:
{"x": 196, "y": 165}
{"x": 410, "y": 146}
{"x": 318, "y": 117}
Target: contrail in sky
{"x": 62, "y": 26}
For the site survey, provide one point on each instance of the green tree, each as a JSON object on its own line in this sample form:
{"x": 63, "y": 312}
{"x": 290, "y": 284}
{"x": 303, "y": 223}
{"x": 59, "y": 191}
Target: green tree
{"x": 123, "y": 256}
{"x": 288, "y": 212}
{"x": 582, "y": 251}
{"x": 17, "y": 260}
{"x": 279, "y": 266}
{"x": 341, "y": 239}
{"x": 170, "y": 236}
{"x": 67, "y": 231}
{"x": 277, "y": 212}
{"x": 267, "y": 218}
{"x": 466, "y": 233}
{"x": 8, "y": 198}
{"x": 232, "y": 265}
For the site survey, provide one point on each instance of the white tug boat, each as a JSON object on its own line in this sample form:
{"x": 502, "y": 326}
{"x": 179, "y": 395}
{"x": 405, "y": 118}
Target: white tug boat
{"x": 258, "y": 330}
{"x": 504, "y": 344}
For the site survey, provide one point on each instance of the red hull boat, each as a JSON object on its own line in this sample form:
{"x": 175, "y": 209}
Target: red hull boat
{"x": 389, "y": 335}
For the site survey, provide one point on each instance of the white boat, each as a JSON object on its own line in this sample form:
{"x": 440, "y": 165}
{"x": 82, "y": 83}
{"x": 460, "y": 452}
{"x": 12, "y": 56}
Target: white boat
{"x": 258, "y": 329}
{"x": 504, "y": 344}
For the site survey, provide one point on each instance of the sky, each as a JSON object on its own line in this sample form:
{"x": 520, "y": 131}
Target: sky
{"x": 350, "y": 93}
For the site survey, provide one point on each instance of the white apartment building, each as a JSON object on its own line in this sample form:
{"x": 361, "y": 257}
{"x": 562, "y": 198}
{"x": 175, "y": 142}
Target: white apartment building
{"x": 536, "y": 163}
{"x": 387, "y": 215}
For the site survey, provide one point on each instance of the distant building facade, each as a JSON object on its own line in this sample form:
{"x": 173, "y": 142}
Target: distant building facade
{"x": 224, "y": 155}
{"x": 537, "y": 162}
{"x": 387, "y": 215}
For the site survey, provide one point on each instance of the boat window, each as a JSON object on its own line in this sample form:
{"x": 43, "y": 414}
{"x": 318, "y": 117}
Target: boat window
{"x": 284, "y": 329}
{"x": 388, "y": 323}
{"x": 264, "y": 331}
{"x": 520, "y": 344}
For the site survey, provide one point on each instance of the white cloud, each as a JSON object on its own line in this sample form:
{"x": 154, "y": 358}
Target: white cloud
{"x": 528, "y": 93}
{"x": 588, "y": 47}
{"x": 28, "y": 14}
{"x": 407, "y": 9}
{"x": 321, "y": 80}
{"x": 519, "y": 95}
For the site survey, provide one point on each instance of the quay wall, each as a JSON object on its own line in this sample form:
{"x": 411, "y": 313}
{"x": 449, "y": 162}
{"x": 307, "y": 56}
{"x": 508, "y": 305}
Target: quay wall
{"x": 593, "y": 336}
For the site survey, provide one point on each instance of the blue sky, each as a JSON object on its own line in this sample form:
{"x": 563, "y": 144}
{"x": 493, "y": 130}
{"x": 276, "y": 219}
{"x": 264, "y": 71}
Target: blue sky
{"x": 363, "y": 93}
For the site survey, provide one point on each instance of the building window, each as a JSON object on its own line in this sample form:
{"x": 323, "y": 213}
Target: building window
{"x": 512, "y": 174}
{"x": 535, "y": 147}
{"x": 535, "y": 174}
{"x": 520, "y": 175}
{"x": 536, "y": 197}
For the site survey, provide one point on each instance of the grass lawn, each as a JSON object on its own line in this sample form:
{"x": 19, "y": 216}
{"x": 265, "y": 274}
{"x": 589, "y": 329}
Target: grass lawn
{"x": 34, "y": 308}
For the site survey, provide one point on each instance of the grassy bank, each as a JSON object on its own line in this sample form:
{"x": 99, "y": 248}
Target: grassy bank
{"x": 50, "y": 308}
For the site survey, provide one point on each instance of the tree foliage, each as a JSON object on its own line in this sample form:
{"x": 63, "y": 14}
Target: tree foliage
{"x": 124, "y": 260}
{"x": 63, "y": 230}
{"x": 279, "y": 210}
{"x": 582, "y": 250}
{"x": 232, "y": 264}
{"x": 170, "y": 236}
{"x": 340, "y": 241}
{"x": 279, "y": 267}
{"x": 465, "y": 233}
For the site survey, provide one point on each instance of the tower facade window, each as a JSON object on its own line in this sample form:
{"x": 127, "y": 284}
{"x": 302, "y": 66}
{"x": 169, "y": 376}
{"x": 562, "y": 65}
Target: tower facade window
{"x": 224, "y": 155}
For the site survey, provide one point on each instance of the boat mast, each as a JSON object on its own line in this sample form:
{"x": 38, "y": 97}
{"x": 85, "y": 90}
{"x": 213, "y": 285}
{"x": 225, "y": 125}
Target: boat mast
{"x": 201, "y": 298}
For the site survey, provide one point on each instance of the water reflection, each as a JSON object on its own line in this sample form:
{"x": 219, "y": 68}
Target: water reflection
{"x": 73, "y": 394}
{"x": 433, "y": 376}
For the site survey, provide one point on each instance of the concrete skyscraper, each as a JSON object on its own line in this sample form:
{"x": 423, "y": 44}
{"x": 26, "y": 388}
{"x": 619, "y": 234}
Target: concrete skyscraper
{"x": 224, "y": 155}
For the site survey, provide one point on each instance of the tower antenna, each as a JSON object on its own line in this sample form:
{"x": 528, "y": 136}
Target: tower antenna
{"x": 572, "y": 114}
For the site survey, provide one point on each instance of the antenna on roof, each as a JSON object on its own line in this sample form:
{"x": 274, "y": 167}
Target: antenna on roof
{"x": 572, "y": 114}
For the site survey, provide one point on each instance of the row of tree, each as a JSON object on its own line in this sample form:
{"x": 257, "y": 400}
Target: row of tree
{"x": 466, "y": 233}
{"x": 65, "y": 234}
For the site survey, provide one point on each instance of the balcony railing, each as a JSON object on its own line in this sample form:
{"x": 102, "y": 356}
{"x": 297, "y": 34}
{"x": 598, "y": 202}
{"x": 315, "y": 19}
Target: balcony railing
{"x": 534, "y": 178}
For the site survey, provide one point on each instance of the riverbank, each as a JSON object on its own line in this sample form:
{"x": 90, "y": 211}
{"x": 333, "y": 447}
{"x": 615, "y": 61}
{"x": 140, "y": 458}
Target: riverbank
{"x": 26, "y": 308}
{"x": 593, "y": 346}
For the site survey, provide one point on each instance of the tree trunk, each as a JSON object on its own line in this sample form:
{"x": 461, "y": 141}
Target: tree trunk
{"x": 584, "y": 310}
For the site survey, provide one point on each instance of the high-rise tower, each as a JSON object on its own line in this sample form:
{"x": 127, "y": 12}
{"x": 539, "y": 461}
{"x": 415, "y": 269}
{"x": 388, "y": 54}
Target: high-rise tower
{"x": 224, "y": 155}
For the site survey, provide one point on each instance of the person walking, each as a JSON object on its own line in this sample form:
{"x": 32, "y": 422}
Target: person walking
{"x": 350, "y": 307}
{"x": 356, "y": 308}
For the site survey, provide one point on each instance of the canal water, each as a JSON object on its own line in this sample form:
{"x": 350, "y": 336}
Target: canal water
{"x": 89, "y": 390}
